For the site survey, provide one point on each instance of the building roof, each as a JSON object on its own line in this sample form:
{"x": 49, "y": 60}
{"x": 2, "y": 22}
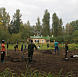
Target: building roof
{"x": 40, "y": 37}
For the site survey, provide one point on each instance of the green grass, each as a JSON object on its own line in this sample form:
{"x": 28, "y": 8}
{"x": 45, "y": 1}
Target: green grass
{"x": 44, "y": 46}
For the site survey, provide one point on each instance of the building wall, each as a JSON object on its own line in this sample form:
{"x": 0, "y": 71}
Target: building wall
{"x": 40, "y": 40}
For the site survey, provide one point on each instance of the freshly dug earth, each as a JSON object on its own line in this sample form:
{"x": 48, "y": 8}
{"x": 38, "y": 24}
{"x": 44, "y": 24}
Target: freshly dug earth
{"x": 43, "y": 60}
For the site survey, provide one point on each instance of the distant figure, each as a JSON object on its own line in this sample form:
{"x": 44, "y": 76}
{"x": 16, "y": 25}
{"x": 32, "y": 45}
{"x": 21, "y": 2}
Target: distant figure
{"x": 56, "y": 47}
{"x": 31, "y": 50}
{"x": 38, "y": 46}
{"x": 2, "y": 51}
{"x": 7, "y": 45}
{"x": 22, "y": 47}
{"x": 16, "y": 47}
{"x": 25, "y": 46}
{"x": 47, "y": 45}
{"x": 22, "y": 57}
{"x": 66, "y": 49}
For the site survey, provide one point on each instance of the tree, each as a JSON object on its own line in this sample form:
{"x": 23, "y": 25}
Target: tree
{"x": 74, "y": 26}
{"x": 14, "y": 38}
{"x": 69, "y": 29}
{"x": 55, "y": 24}
{"x": 75, "y": 36}
{"x": 46, "y": 23}
{"x": 38, "y": 26}
{"x": 24, "y": 31}
{"x": 60, "y": 29}
{"x": 5, "y": 18}
{"x": 0, "y": 22}
{"x": 4, "y": 35}
{"x": 15, "y": 22}
{"x": 28, "y": 29}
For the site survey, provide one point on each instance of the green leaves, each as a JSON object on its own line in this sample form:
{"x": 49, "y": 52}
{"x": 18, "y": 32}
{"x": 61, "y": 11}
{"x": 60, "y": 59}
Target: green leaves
{"x": 56, "y": 25}
{"x": 15, "y": 22}
{"x": 46, "y": 23}
{"x": 33, "y": 73}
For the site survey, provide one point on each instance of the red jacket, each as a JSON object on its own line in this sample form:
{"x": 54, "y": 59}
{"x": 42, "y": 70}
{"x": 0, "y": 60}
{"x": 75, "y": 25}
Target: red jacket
{"x": 2, "y": 47}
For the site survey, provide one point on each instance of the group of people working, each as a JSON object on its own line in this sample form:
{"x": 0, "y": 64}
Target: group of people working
{"x": 31, "y": 47}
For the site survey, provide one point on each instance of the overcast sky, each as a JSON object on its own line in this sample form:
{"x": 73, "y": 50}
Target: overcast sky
{"x": 32, "y": 9}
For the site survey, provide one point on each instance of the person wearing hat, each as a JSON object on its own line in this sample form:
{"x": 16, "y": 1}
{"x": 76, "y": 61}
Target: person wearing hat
{"x": 2, "y": 51}
{"x": 66, "y": 50}
{"x": 31, "y": 47}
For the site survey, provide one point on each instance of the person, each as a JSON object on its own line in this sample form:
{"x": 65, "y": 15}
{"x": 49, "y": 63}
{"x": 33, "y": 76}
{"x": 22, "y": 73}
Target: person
{"x": 7, "y": 45}
{"x": 2, "y": 51}
{"x": 22, "y": 47}
{"x": 47, "y": 45}
{"x": 66, "y": 50}
{"x": 56, "y": 47}
{"x": 22, "y": 57}
{"x": 25, "y": 46}
{"x": 16, "y": 47}
{"x": 31, "y": 47}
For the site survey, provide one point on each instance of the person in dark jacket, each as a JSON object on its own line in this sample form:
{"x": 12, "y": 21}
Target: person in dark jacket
{"x": 22, "y": 57}
{"x": 66, "y": 50}
{"x": 16, "y": 47}
{"x": 22, "y": 47}
{"x": 31, "y": 47}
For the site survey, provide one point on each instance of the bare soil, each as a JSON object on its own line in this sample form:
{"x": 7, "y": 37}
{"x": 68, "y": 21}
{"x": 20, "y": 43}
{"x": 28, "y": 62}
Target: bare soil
{"x": 43, "y": 60}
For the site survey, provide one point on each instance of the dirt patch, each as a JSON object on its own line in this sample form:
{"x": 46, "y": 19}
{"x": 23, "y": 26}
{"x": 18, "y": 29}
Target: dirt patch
{"x": 44, "y": 60}
{"x": 47, "y": 52}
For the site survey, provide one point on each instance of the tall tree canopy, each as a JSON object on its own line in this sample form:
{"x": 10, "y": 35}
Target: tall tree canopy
{"x": 38, "y": 26}
{"x": 46, "y": 23}
{"x": 56, "y": 25}
{"x": 15, "y": 22}
{"x": 4, "y": 18}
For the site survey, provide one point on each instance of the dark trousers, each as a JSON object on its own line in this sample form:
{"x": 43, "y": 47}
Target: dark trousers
{"x": 66, "y": 55}
{"x": 30, "y": 55}
{"x": 2, "y": 55}
{"x": 56, "y": 48}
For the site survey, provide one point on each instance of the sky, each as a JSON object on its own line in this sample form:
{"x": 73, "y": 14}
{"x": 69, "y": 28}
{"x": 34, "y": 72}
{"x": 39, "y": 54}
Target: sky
{"x": 32, "y": 9}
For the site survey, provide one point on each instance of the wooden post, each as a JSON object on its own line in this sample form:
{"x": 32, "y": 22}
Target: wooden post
{"x": 6, "y": 51}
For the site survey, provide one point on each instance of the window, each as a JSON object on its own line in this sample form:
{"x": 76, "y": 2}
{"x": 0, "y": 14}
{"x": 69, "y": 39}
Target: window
{"x": 36, "y": 41}
{"x": 42, "y": 41}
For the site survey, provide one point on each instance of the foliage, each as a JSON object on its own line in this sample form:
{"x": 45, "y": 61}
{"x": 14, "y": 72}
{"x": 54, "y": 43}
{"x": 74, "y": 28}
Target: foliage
{"x": 46, "y": 23}
{"x": 56, "y": 25}
{"x": 15, "y": 22}
{"x": 8, "y": 73}
{"x": 4, "y": 35}
{"x": 15, "y": 26}
{"x": 60, "y": 39}
{"x": 14, "y": 38}
{"x": 32, "y": 73}
{"x": 38, "y": 27}
{"x": 75, "y": 36}
{"x": 69, "y": 29}
{"x": 5, "y": 18}
{"x": 52, "y": 39}
{"x": 23, "y": 31}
